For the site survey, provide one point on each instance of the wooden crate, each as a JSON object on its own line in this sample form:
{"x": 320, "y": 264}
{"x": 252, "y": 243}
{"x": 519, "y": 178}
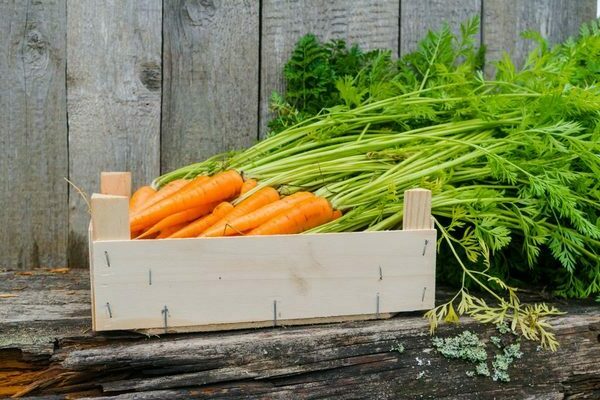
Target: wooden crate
{"x": 202, "y": 284}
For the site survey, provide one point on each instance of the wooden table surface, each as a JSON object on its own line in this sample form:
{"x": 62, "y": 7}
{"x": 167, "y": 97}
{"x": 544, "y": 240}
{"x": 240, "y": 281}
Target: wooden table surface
{"x": 48, "y": 351}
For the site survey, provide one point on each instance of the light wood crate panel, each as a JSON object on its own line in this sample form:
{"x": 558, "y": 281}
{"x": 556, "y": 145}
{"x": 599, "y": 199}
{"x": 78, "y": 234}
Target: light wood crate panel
{"x": 260, "y": 281}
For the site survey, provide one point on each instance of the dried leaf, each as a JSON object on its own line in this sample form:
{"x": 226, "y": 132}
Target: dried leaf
{"x": 59, "y": 270}
{"x": 25, "y": 273}
{"x": 7, "y": 295}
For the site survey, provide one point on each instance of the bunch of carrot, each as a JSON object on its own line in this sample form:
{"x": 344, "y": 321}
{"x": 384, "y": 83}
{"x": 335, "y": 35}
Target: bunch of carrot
{"x": 223, "y": 205}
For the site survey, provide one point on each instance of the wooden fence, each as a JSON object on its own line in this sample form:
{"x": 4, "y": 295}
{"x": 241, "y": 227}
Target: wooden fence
{"x": 151, "y": 85}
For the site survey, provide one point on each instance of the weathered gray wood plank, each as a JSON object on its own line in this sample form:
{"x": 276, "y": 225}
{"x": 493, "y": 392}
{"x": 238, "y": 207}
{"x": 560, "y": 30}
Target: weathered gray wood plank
{"x": 505, "y": 20}
{"x": 33, "y": 134}
{"x": 210, "y": 87}
{"x": 114, "y": 96}
{"x": 371, "y": 24}
{"x": 417, "y": 17}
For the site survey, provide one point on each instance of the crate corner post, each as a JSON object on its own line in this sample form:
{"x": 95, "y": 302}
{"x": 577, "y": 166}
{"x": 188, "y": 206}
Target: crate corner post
{"x": 115, "y": 183}
{"x": 417, "y": 217}
{"x": 109, "y": 221}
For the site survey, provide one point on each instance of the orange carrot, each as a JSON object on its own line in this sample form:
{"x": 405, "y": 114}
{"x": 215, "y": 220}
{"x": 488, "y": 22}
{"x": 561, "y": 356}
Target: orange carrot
{"x": 248, "y": 185}
{"x": 164, "y": 192}
{"x": 304, "y": 215}
{"x": 259, "y": 199}
{"x": 197, "y": 227}
{"x": 336, "y": 214}
{"x": 179, "y": 218}
{"x": 220, "y": 187}
{"x": 140, "y": 197}
{"x": 165, "y": 233}
{"x": 258, "y": 217}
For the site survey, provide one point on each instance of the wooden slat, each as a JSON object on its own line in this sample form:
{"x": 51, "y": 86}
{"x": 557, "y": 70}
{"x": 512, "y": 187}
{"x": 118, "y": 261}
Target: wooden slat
{"x": 114, "y": 93}
{"x": 371, "y": 24}
{"x": 210, "y": 60}
{"x": 237, "y": 280}
{"x": 417, "y": 210}
{"x": 504, "y": 20}
{"x": 33, "y": 134}
{"x": 115, "y": 183}
{"x": 110, "y": 218}
{"x": 418, "y": 16}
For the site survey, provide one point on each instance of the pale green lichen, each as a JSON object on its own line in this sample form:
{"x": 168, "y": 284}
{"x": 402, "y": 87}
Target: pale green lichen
{"x": 503, "y": 327}
{"x": 399, "y": 347}
{"x": 482, "y": 369}
{"x": 465, "y": 346}
{"x": 503, "y": 361}
{"x": 496, "y": 341}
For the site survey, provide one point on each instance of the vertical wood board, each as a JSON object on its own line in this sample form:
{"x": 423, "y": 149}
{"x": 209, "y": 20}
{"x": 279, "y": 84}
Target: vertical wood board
{"x": 505, "y": 20}
{"x": 417, "y": 17}
{"x": 238, "y": 279}
{"x": 33, "y": 134}
{"x": 210, "y": 87}
{"x": 114, "y": 98}
{"x": 370, "y": 24}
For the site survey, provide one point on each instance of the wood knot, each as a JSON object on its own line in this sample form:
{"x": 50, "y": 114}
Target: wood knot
{"x": 200, "y": 12}
{"x": 150, "y": 76}
{"x": 34, "y": 40}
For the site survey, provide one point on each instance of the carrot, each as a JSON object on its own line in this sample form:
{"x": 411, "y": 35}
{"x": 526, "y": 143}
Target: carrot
{"x": 165, "y": 233}
{"x": 179, "y": 218}
{"x": 248, "y": 185}
{"x": 258, "y": 217}
{"x": 336, "y": 214}
{"x": 197, "y": 227}
{"x": 304, "y": 215}
{"x": 140, "y": 197}
{"x": 163, "y": 193}
{"x": 264, "y": 196}
{"x": 221, "y": 186}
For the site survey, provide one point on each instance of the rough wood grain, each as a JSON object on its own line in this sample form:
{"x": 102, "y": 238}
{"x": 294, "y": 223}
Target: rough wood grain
{"x": 33, "y": 134}
{"x": 417, "y": 17}
{"x": 417, "y": 210}
{"x": 114, "y": 95}
{"x": 347, "y": 361}
{"x": 47, "y": 306}
{"x": 504, "y": 20}
{"x": 210, "y": 86}
{"x": 371, "y": 24}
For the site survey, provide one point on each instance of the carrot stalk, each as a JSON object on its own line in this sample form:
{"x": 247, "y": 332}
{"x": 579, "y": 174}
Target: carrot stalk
{"x": 257, "y": 200}
{"x": 197, "y": 227}
{"x": 258, "y": 217}
{"x": 179, "y": 218}
{"x": 304, "y": 215}
{"x": 220, "y": 187}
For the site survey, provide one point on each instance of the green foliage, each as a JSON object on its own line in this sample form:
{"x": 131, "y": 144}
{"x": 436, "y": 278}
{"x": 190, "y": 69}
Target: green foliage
{"x": 513, "y": 162}
{"x": 320, "y": 75}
